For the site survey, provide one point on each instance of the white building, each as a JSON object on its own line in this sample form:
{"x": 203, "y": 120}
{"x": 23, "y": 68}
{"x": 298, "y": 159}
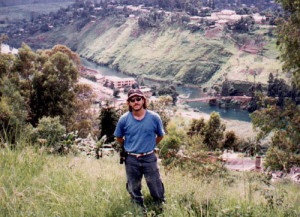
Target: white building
{"x": 119, "y": 82}
{"x": 5, "y": 49}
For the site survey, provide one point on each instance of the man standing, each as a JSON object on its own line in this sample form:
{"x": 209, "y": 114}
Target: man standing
{"x": 140, "y": 130}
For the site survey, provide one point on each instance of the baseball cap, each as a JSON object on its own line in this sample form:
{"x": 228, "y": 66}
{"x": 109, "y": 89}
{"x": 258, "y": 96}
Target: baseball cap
{"x": 135, "y": 92}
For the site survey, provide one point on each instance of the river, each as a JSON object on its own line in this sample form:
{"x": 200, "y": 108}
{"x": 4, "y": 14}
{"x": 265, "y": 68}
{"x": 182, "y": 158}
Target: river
{"x": 231, "y": 114}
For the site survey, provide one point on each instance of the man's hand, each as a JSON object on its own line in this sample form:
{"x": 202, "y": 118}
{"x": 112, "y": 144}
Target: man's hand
{"x": 120, "y": 140}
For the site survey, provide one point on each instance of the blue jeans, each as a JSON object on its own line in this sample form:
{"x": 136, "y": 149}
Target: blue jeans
{"x": 147, "y": 166}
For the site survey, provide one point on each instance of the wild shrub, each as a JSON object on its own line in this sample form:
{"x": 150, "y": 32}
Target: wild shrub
{"x": 196, "y": 127}
{"x": 189, "y": 153}
{"x": 283, "y": 122}
{"x": 50, "y": 130}
{"x": 230, "y": 141}
{"x": 282, "y": 153}
{"x": 171, "y": 144}
{"x": 211, "y": 131}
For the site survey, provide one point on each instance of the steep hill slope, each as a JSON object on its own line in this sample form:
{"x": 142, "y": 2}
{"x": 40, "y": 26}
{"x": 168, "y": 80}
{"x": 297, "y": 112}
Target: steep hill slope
{"x": 169, "y": 52}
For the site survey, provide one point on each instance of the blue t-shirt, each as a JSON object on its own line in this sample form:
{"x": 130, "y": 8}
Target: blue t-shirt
{"x": 140, "y": 135}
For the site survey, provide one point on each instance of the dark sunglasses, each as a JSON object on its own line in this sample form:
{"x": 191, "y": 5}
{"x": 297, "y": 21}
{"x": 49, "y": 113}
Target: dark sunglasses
{"x": 135, "y": 99}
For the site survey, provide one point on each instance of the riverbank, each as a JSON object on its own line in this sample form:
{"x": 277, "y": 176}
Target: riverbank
{"x": 241, "y": 128}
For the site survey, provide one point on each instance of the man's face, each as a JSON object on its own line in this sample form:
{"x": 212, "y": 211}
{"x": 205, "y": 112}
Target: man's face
{"x": 136, "y": 103}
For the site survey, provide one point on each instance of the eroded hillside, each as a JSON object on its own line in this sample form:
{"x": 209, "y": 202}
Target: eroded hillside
{"x": 170, "y": 52}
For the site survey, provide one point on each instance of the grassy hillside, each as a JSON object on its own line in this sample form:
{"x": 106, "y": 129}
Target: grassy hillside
{"x": 167, "y": 53}
{"x": 34, "y": 184}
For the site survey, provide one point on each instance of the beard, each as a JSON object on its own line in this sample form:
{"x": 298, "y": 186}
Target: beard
{"x": 136, "y": 108}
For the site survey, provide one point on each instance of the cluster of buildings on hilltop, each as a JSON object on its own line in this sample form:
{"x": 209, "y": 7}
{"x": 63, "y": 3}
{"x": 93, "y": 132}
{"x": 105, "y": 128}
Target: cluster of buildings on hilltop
{"x": 229, "y": 16}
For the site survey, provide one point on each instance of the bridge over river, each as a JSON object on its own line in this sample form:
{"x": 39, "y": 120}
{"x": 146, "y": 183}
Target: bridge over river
{"x": 207, "y": 99}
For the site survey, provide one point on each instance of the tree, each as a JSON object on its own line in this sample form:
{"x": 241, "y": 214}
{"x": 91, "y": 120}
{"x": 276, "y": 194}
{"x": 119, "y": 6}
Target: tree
{"x": 13, "y": 112}
{"x": 211, "y": 132}
{"x": 288, "y": 38}
{"x": 230, "y": 141}
{"x": 244, "y": 25}
{"x": 271, "y": 91}
{"x": 26, "y": 65}
{"x": 282, "y": 116}
{"x": 38, "y": 84}
{"x": 54, "y": 89}
{"x": 6, "y": 61}
{"x": 196, "y": 127}
{"x": 283, "y": 122}
{"x": 108, "y": 121}
{"x": 84, "y": 119}
{"x": 226, "y": 86}
{"x": 168, "y": 90}
{"x": 116, "y": 92}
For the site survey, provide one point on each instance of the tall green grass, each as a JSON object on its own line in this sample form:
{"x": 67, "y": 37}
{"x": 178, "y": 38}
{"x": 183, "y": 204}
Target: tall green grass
{"x": 37, "y": 184}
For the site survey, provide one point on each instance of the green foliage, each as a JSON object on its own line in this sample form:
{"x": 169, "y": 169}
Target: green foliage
{"x": 288, "y": 38}
{"x": 53, "y": 89}
{"x": 283, "y": 153}
{"x": 108, "y": 121}
{"x": 37, "y": 84}
{"x": 281, "y": 116}
{"x": 168, "y": 90}
{"x": 212, "y": 132}
{"x": 243, "y": 11}
{"x": 283, "y": 122}
{"x": 5, "y": 64}
{"x": 51, "y": 130}
{"x": 171, "y": 144}
{"x": 196, "y": 127}
{"x": 244, "y": 25}
{"x": 230, "y": 141}
{"x": 13, "y": 112}
{"x": 85, "y": 121}
{"x": 188, "y": 152}
{"x": 225, "y": 88}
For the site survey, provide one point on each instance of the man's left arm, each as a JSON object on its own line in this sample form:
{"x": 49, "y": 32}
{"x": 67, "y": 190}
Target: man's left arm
{"x": 158, "y": 139}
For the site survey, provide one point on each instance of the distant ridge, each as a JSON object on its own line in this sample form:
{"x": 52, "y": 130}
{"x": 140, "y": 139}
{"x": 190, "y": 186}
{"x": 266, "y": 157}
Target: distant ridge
{"x": 4, "y": 3}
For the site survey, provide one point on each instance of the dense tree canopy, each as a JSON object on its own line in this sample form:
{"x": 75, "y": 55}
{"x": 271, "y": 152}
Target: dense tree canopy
{"x": 37, "y": 84}
{"x": 289, "y": 38}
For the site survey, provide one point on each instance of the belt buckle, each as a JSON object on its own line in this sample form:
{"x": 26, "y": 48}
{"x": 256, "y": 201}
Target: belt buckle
{"x": 141, "y": 154}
